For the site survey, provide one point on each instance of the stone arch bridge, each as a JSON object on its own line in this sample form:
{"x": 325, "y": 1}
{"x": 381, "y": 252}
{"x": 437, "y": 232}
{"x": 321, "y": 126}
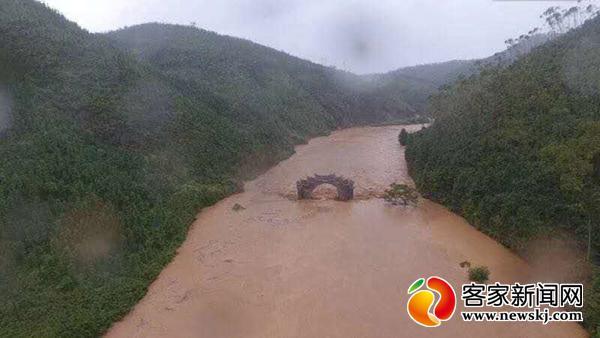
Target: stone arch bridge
{"x": 345, "y": 187}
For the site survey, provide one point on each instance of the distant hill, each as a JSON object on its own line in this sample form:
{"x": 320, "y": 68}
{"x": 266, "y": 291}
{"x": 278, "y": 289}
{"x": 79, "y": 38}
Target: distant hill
{"x": 439, "y": 74}
{"x": 516, "y": 150}
{"x": 416, "y": 84}
{"x": 110, "y": 143}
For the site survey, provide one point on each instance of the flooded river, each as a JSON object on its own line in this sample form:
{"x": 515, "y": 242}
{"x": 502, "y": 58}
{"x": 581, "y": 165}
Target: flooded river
{"x": 322, "y": 268}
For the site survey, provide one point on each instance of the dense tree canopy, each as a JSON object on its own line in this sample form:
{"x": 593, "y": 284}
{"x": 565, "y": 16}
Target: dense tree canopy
{"x": 515, "y": 149}
{"x": 110, "y": 143}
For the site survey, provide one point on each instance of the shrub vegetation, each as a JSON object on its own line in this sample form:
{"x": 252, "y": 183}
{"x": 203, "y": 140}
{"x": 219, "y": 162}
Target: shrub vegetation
{"x": 479, "y": 274}
{"x": 403, "y": 137}
{"x": 401, "y": 194}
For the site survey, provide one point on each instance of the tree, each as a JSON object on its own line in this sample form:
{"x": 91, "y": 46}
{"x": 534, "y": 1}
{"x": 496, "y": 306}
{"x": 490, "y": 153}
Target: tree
{"x": 403, "y": 137}
{"x": 560, "y": 21}
{"x": 401, "y": 194}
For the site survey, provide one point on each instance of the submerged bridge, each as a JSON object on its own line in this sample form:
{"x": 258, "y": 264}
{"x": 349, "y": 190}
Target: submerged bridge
{"x": 345, "y": 187}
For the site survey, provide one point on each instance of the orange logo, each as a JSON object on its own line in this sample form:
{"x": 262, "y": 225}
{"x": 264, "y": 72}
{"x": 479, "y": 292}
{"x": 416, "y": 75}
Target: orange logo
{"x": 424, "y": 308}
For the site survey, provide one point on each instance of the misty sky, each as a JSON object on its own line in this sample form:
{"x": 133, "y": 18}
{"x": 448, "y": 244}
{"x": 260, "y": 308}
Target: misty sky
{"x": 358, "y": 35}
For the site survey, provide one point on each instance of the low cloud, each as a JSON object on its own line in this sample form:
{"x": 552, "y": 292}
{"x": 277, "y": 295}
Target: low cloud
{"x": 358, "y": 35}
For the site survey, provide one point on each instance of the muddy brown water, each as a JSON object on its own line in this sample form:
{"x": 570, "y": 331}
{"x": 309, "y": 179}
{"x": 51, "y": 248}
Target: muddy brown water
{"x": 322, "y": 268}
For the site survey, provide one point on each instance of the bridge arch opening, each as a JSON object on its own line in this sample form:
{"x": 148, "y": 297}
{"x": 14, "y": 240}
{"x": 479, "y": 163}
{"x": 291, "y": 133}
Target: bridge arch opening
{"x": 325, "y": 191}
{"x": 344, "y": 186}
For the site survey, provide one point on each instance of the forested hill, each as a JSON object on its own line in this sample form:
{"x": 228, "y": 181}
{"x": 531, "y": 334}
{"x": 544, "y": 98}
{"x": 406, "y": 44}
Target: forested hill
{"x": 516, "y": 149}
{"x": 111, "y": 143}
{"x": 257, "y": 79}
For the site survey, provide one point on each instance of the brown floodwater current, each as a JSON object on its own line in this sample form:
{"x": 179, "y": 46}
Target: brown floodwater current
{"x": 323, "y": 268}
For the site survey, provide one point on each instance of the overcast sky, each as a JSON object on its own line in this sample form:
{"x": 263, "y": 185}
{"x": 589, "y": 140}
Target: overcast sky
{"x": 359, "y": 35}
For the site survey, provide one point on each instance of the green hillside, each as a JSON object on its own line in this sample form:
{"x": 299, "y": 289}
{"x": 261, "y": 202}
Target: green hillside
{"x": 111, "y": 143}
{"x": 516, "y": 149}
{"x": 258, "y": 80}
